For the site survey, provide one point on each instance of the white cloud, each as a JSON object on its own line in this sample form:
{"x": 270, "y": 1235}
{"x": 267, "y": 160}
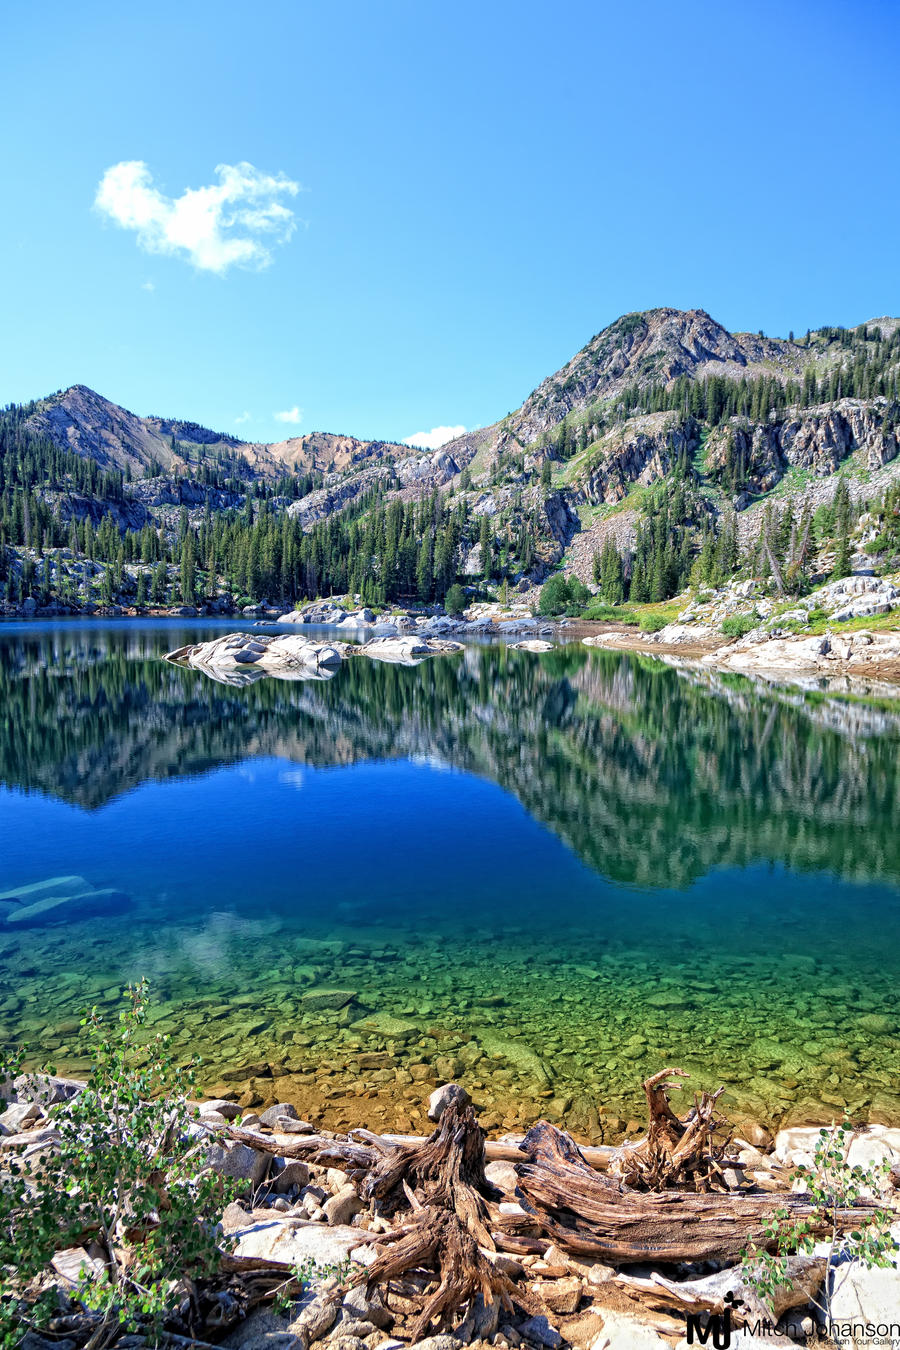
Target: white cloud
{"x": 228, "y": 223}
{"x": 435, "y": 438}
{"x": 293, "y": 415}
{"x": 244, "y": 417}
{"x": 148, "y": 286}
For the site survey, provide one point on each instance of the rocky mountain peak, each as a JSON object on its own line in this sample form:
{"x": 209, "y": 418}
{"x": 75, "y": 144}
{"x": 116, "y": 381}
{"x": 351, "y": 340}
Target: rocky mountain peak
{"x": 86, "y": 423}
{"x": 651, "y": 347}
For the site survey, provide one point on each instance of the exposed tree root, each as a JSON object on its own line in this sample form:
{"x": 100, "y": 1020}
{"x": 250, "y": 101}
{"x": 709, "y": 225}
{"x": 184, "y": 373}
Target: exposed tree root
{"x": 437, "y": 1238}
{"x": 443, "y": 1182}
{"x": 446, "y": 1171}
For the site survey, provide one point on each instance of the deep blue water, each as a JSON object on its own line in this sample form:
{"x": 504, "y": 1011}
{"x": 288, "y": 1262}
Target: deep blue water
{"x": 568, "y": 870}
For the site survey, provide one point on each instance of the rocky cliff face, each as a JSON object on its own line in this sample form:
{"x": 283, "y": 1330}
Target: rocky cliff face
{"x": 323, "y": 452}
{"x": 643, "y": 453}
{"x": 818, "y": 440}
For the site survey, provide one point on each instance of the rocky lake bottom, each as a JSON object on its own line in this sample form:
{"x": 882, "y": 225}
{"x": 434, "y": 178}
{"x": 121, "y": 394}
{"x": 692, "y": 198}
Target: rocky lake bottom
{"x": 545, "y": 876}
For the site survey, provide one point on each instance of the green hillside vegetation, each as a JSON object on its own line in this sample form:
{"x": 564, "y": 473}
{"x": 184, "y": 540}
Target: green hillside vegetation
{"x": 74, "y": 530}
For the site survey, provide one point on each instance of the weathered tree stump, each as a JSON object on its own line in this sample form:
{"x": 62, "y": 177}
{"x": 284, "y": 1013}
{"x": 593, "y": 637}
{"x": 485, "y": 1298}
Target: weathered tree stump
{"x": 685, "y": 1154}
{"x": 447, "y": 1171}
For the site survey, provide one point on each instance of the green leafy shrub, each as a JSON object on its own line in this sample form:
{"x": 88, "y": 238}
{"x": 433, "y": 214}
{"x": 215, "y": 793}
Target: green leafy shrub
{"x": 737, "y": 625}
{"x": 579, "y": 596}
{"x": 555, "y": 595}
{"x": 599, "y": 612}
{"x": 653, "y": 623}
{"x": 832, "y": 1185}
{"x": 123, "y": 1168}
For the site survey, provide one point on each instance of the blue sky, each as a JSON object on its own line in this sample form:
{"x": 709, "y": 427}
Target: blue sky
{"x": 428, "y": 207}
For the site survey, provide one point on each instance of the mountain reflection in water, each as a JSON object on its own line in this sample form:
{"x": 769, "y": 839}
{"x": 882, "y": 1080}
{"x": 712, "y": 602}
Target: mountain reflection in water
{"x": 727, "y": 899}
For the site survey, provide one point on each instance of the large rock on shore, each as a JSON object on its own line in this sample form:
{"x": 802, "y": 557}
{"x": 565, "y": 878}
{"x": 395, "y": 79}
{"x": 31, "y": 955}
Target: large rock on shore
{"x": 296, "y": 1240}
{"x": 865, "y": 1299}
{"x": 854, "y": 651}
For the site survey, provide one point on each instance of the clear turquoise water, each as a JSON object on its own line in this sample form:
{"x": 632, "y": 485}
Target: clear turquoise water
{"x": 546, "y": 875}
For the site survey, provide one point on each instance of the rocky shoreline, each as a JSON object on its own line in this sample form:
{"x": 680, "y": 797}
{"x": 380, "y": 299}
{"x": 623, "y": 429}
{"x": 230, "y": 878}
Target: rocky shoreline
{"x": 330, "y": 1205}
{"x": 771, "y": 640}
{"x": 767, "y": 639}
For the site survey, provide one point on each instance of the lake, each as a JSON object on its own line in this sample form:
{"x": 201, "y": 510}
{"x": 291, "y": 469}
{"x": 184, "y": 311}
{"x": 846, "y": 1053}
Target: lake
{"x": 546, "y": 876}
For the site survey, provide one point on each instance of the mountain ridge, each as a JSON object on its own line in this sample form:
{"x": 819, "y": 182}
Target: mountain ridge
{"x": 81, "y": 420}
{"x": 658, "y": 396}
{"x": 636, "y": 349}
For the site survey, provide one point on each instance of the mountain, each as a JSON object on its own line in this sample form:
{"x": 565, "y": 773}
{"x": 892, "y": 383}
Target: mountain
{"x": 84, "y": 422}
{"x": 642, "y": 349}
{"x": 659, "y": 348}
{"x": 663, "y": 396}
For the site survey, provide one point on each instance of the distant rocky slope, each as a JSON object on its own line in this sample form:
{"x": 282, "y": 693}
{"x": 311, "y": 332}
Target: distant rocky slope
{"x": 737, "y": 416}
{"x": 82, "y": 421}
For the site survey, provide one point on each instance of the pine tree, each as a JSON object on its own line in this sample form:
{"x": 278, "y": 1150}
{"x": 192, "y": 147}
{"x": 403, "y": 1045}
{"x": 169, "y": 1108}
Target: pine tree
{"x": 188, "y": 571}
{"x": 612, "y": 583}
{"x": 486, "y": 548}
{"x": 842, "y": 513}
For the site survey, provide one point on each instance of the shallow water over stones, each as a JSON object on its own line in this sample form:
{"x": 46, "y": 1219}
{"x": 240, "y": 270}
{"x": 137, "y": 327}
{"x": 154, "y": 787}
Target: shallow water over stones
{"x": 544, "y": 875}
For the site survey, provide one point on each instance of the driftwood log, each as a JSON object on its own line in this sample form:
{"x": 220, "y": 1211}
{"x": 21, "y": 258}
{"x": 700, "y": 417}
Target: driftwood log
{"x": 361, "y": 1149}
{"x": 663, "y": 1198}
{"x": 585, "y": 1212}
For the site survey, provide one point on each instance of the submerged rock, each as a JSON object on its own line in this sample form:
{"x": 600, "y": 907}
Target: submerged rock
{"x": 526, "y": 1060}
{"x": 329, "y": 997}
{"x": 37, "y": 890}
{"x": 387, "y": 1025}
{"x": 57, "y": 898}
{"x": 53, "y": 908}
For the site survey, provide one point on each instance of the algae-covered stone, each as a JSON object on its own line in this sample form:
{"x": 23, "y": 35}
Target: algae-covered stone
{"x": 323, "y": 998}
{"x": 516, "y": 1052}
{"x": 879, "y": 1024}
{"x": 385, "y": 1024}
